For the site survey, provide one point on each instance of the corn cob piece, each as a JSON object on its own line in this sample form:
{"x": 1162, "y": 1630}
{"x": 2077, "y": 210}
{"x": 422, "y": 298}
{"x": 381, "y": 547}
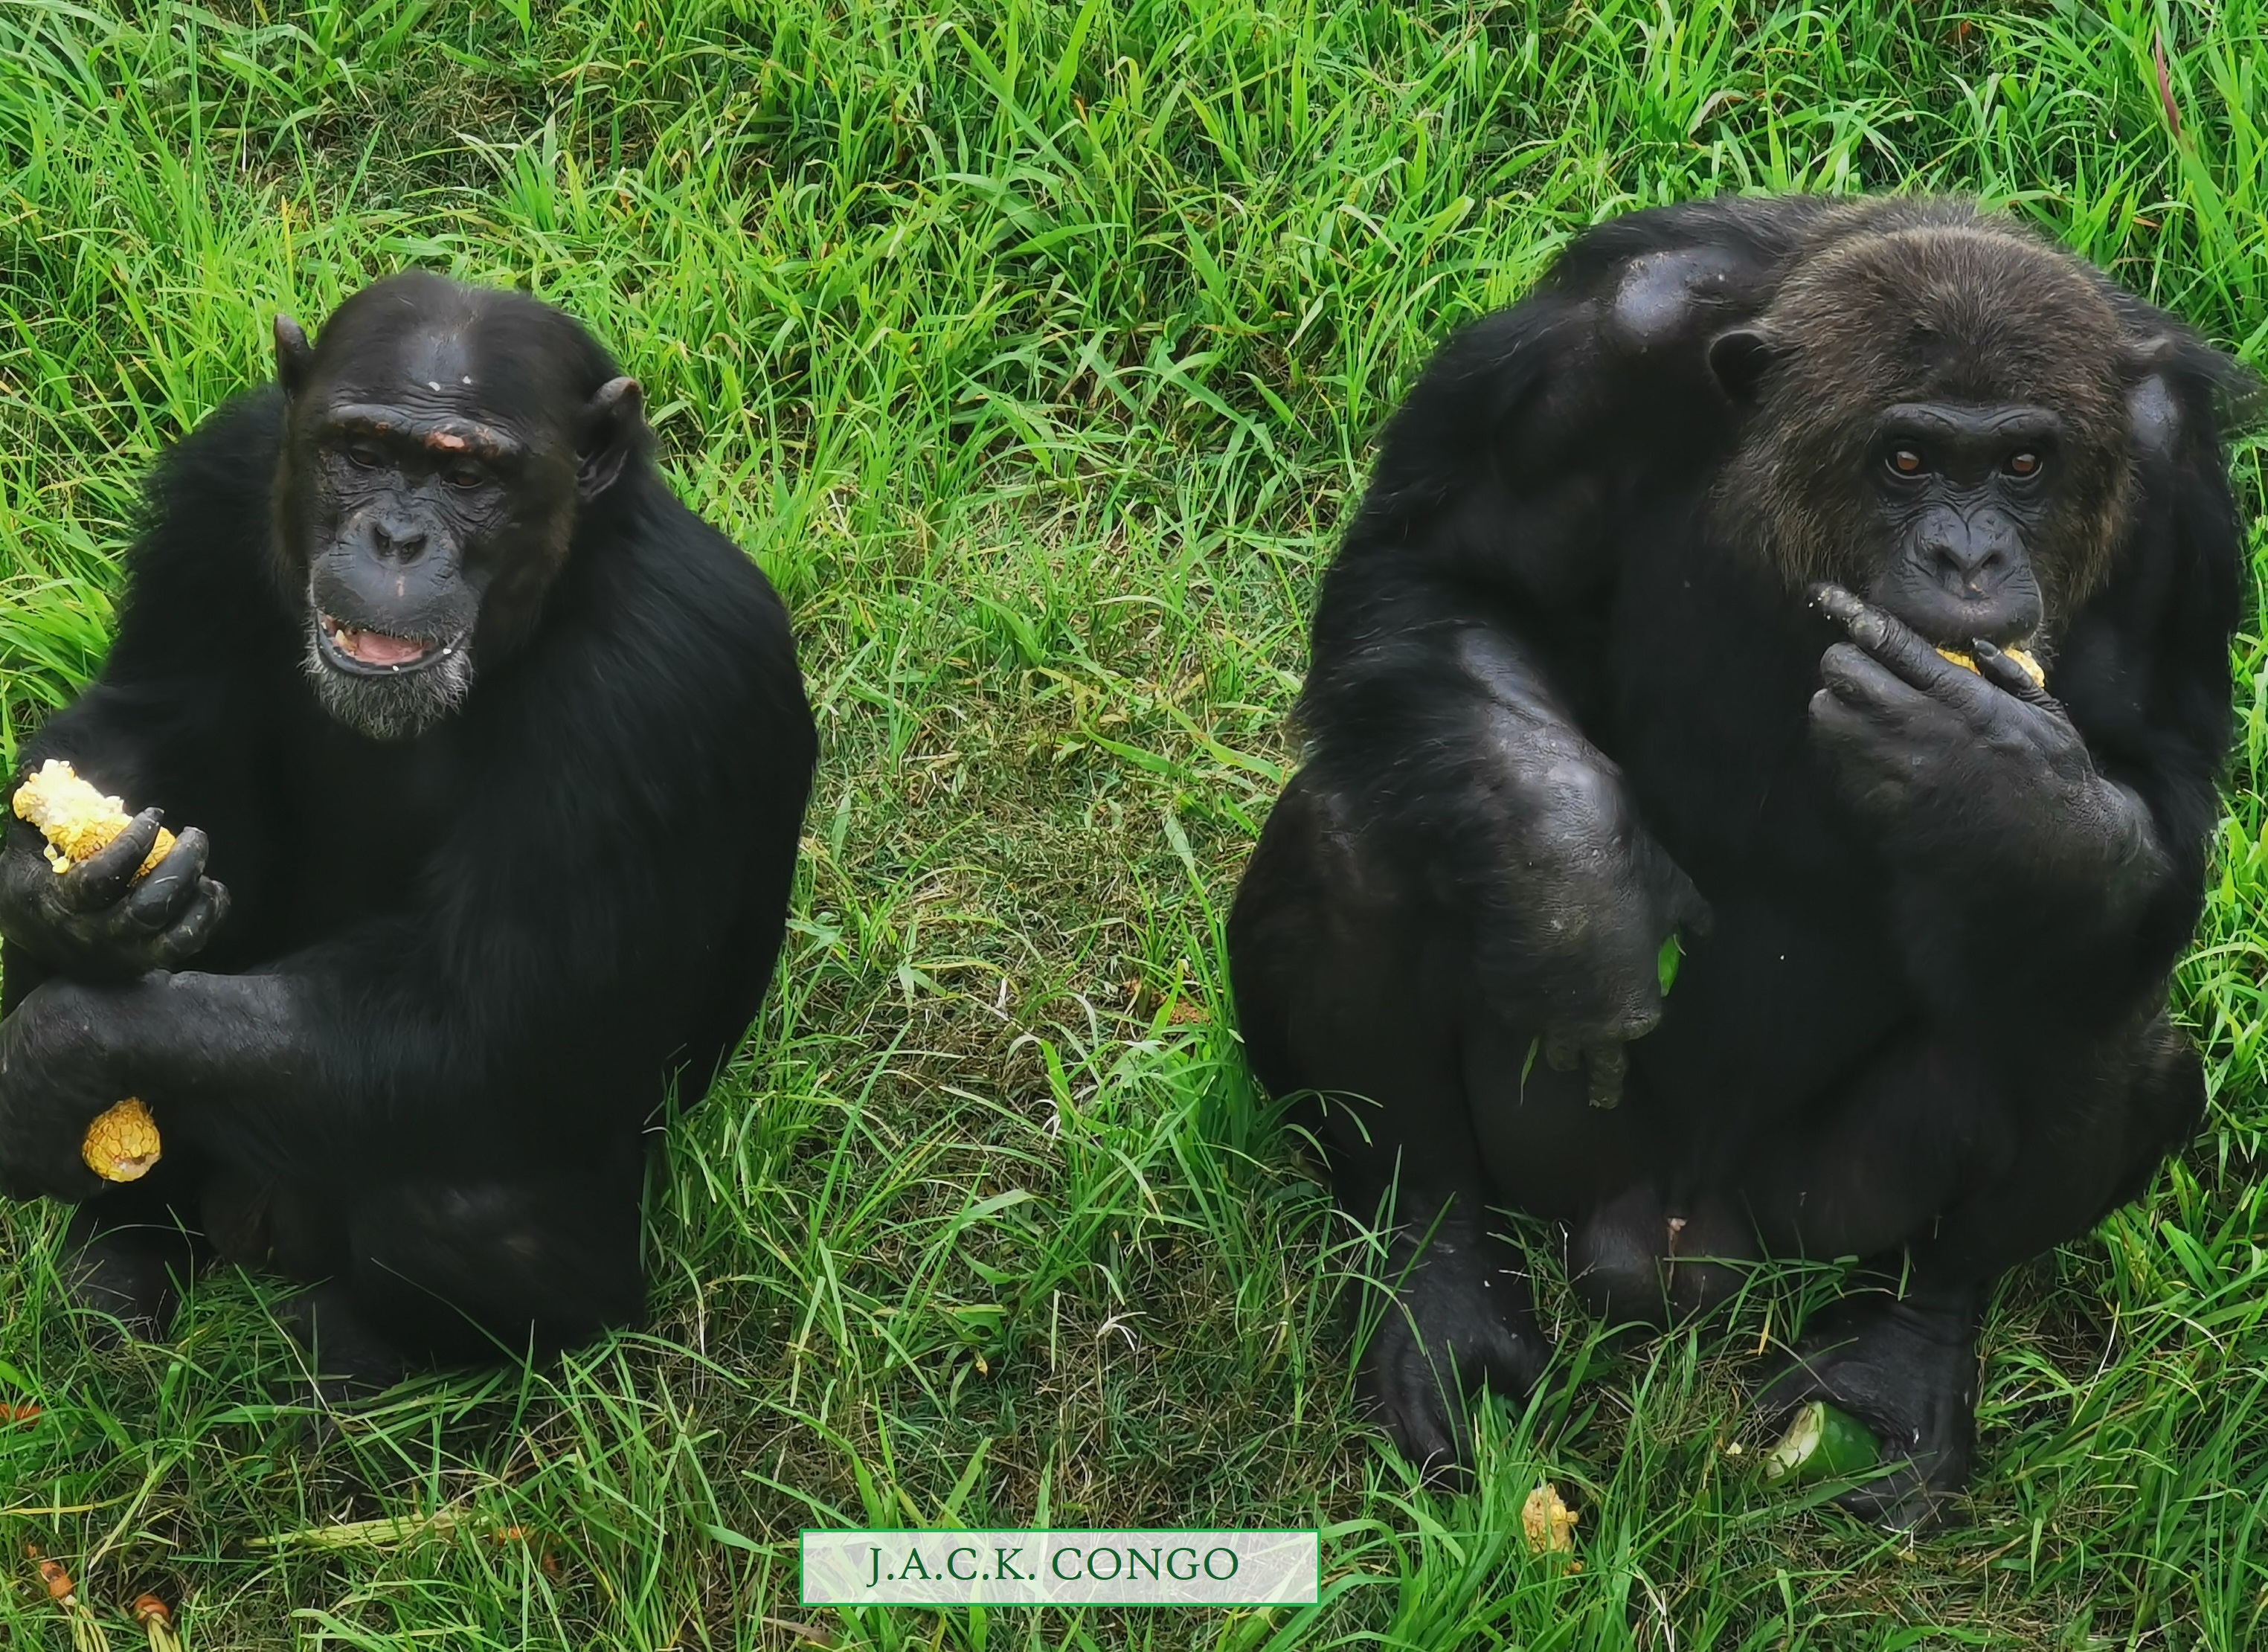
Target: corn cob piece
{"x": 78, "y": 822}
{"x": 121, "y": 1144}
{"x": 2031, "y": 667}
{"x": 1548, "y": 1523}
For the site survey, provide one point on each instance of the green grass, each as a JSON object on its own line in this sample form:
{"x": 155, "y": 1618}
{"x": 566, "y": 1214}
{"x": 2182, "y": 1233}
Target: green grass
{"x": 1034, "y": 350}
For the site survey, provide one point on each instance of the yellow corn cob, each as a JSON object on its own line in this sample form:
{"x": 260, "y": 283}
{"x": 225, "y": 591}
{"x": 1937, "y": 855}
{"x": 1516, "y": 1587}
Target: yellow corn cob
{"x": 122, "y": 1144}
{"x": 2031, "y": 667}
{"x": 1548, "y": 1523}
{"x": 79, "y": 822}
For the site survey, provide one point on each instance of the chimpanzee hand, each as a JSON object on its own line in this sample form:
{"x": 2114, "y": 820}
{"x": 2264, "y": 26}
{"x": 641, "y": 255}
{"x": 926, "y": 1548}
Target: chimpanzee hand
{"x": 96, "y": 922}
{"x": 59, "y": 1069}
{"x": 1639, "y": 898}
{"x": 1984, "y": 765}
{"x": 1573, "y": 946}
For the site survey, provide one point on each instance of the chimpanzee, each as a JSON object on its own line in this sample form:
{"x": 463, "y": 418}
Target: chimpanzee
{"x": 1691, "y": 602}
{"x": 489, "y": 760}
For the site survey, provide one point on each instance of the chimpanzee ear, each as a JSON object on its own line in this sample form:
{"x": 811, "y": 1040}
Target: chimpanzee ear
{"x": 614, "y": 422}
{"x": 293, "y": 356}
{"x": 1740, "y": 357}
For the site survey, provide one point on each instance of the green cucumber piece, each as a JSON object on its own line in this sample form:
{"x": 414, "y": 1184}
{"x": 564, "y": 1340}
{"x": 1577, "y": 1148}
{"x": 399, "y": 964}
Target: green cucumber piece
{"x": 1822, "y": 1443}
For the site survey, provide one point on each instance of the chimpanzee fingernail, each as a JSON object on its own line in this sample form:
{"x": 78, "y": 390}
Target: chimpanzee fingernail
{"x": 1867, "y": 626}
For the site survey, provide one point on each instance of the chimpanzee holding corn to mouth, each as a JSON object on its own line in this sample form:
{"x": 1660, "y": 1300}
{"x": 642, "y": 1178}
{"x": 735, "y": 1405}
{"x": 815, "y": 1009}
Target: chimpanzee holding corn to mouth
{"x": 1845, "y": 588}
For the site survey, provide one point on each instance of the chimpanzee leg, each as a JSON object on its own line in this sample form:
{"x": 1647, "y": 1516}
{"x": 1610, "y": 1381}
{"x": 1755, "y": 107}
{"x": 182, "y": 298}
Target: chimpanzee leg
{"x": 444, "y": 1271}
{"x": 2050, "y": 1154}
{"x": 1340, "y": 980}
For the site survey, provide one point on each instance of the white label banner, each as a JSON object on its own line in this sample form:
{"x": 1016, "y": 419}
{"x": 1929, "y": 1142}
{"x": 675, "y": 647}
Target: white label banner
{"x": 1061, "y": 1568}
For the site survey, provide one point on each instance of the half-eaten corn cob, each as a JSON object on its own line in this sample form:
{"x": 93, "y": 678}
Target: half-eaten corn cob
{"x": 78, "y": 822}
{"x": 121, "y": 1144}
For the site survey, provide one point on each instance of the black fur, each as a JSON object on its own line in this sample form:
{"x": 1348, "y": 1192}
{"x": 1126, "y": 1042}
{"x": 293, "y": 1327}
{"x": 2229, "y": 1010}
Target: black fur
{"x": 457, "y": 972}
{"x": 1567, "y": 699}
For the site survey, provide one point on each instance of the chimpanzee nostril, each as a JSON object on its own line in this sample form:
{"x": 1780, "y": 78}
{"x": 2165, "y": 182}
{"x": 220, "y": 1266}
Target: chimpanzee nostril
{"x": 399, "y": 542}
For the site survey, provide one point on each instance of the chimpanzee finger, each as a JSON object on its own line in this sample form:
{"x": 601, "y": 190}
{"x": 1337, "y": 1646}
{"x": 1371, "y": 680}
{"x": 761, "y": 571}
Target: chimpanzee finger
{"x": 1671, "y": 892}
{"x": 207, "y": 911}
{"x": 101, "y": 880}
{"x": 1688, "y": 908}
{"x": 1838, "y": 722}
{"x": 2001, "y": 671}
{"x": 1860, "y": 681}
{"x": 1889, "y": 639}
{"x": 164, "y": 895}
{"x": 1608, "y": 1065}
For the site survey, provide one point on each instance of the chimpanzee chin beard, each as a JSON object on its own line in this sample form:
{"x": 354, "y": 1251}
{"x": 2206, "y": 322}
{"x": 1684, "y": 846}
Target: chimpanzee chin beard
{"x": 386, "y": 704}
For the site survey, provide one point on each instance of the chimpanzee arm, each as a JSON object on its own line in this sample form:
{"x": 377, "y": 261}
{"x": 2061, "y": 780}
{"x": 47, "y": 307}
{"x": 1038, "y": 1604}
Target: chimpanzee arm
{"x": 1453, "y": 703}
{"x": 168, "y": 725}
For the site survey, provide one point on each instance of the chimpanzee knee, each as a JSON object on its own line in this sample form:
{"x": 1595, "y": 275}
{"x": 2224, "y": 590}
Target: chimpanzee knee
{"x": 456, "y": 1270}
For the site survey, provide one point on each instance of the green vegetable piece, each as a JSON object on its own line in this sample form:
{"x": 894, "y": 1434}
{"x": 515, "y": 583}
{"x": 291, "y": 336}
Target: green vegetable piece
{"x": 1822, "y": 1443}
{"x": 1666, "y": 963}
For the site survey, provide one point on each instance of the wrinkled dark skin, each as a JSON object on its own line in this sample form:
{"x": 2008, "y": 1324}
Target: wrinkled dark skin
{"x": 1907, "y": 1368}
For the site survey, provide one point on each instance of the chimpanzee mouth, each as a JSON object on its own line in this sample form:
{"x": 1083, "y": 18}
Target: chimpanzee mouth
{"x": 361, "y": 652}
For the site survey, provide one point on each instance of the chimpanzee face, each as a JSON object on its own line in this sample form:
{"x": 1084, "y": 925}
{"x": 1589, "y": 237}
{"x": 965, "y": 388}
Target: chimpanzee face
{"x": 432, "y": 477}
{"x": 1942, "y": 420}
{"x": 1963, "y": 494}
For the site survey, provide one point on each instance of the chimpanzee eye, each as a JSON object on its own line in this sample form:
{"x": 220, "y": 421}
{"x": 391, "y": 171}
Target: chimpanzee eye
{"x": 1905, "y": 462}
{"x": 364, "y": 456}
{"x": 464, "y": 476}
{"x": 2024, "y": 465}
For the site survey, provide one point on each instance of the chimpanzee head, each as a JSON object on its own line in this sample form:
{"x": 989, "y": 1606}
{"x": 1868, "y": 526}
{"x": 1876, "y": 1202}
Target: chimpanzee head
{"x": 441, "y": 444}
{"x": 1940, "y": 418}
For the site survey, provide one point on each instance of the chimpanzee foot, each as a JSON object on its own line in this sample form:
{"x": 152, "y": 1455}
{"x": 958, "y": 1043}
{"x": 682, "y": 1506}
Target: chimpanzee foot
{"x": 1461, "y": 1321}
{"x": 1908, "y": 1370}
{"x": 349, "y": 1357}
{"x": 124, "y": 1278}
